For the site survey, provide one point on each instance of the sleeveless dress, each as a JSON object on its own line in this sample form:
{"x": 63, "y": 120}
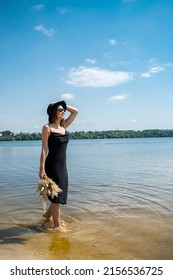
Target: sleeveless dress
{"x": 55, "y": 164}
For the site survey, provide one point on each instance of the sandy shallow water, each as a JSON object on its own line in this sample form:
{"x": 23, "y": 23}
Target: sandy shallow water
{"x": 83, "y": 237}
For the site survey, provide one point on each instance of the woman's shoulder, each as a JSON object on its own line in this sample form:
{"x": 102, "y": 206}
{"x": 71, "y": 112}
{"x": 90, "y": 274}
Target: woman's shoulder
{"x": 46, "y": 128}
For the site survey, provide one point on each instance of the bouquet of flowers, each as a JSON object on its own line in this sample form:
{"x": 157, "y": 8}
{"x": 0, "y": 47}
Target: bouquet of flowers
{"x": 47, "y": 187}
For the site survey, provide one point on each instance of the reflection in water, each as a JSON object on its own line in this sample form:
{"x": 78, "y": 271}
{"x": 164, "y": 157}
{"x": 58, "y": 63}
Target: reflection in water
{"x": 59, "y": 247}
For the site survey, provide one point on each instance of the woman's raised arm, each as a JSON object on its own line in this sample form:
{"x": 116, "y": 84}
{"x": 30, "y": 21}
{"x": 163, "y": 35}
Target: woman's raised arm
{"x": 73, "y": 113}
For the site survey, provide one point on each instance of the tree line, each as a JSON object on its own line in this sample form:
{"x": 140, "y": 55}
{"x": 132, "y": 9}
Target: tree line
{"x": 108, "y": 134}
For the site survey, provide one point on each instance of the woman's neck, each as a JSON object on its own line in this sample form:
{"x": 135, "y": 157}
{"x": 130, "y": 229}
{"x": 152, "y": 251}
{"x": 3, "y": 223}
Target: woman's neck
{"x": 57, "y": 123}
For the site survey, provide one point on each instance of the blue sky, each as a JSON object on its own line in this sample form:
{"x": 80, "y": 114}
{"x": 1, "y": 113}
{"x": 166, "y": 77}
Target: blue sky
{"x": 112, "y": 59}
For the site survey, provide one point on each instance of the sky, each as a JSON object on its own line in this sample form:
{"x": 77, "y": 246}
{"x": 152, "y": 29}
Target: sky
{"x": 111, "y": 59}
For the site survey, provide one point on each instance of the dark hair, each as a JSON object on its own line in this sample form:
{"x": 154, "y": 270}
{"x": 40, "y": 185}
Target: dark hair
{"x": 53, "y": 115}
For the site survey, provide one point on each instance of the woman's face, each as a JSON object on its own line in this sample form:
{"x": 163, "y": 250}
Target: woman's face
{"x": 60, "y": 112}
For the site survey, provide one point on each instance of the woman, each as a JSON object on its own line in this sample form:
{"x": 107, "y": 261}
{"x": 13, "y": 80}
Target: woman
{"x": 53, "y": 155}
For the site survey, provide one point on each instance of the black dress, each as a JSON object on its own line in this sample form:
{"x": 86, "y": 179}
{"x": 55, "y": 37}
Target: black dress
{"x": 55, "y": 164}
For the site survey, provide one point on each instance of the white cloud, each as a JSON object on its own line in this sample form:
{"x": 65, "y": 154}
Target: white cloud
{"x": 146, "y": 75}
{"x": 169, "y": 64}
{"x": 38, "y": 7}
{"x": 62, "y": 11}
{"x": 48, "y": 32}
{"x": 156, "y": 69}
{"x": 112, "y": 42}
{"x": 96, "y": 77}
{"x": 67, "y": 96}
{"x": 36, "y": 126}
{"x": 117, "y": 98}
{"x": 108, "y": 55}
{"x": 92, "y": 61}
{"x": 152, "y": 70}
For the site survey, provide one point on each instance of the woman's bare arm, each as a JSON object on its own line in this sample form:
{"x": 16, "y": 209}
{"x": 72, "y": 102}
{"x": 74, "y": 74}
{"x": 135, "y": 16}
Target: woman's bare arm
{"x": 45, "y": 136}
{"x": 73, "y": 113}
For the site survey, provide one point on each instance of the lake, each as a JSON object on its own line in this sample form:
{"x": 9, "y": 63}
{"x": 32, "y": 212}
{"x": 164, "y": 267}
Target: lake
{"x": 120, "y": 201}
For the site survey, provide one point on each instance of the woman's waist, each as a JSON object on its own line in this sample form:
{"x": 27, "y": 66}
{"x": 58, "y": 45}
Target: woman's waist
{"x": 52, "y": 157}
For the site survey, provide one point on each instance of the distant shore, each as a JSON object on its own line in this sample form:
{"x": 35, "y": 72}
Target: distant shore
{"x": 108, "y": 134}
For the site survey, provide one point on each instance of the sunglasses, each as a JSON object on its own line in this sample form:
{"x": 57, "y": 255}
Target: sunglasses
{"x": 60, "y": 110}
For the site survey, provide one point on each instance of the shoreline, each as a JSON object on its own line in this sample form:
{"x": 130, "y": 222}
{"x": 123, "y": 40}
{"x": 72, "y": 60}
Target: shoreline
{"x": 83, "y": 135}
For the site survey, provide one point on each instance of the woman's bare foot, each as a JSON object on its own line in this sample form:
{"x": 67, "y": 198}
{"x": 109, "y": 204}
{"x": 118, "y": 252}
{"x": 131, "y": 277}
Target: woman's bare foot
{"x": 56, "y": 228}
{"x": 47, "y": 217}
{"x": 53, "y": 229}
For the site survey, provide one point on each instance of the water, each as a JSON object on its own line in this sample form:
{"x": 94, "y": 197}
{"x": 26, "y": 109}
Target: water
{"x": 119, "y": 204}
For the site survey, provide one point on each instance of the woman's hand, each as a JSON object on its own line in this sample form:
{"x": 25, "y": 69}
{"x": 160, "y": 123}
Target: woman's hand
{"x": 42, "y": 174}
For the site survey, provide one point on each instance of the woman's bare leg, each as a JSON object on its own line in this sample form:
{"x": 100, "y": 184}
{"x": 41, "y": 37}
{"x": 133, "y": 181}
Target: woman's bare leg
{"x": 55, "y": 211}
